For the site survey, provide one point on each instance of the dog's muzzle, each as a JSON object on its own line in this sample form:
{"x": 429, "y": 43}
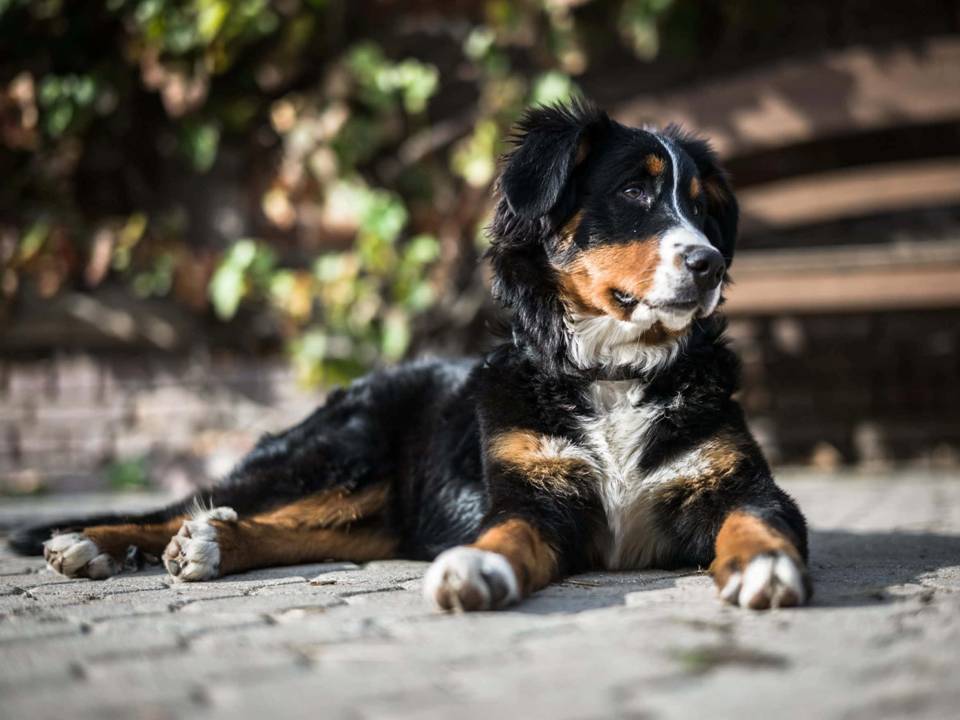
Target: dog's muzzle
{"x": 706, "y": 266}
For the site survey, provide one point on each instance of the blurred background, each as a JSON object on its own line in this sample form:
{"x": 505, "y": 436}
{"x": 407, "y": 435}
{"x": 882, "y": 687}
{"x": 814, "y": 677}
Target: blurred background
{"x": 210, "y": 211}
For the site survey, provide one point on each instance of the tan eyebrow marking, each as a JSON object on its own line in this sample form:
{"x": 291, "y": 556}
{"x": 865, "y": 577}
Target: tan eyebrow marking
{"x": 655, "y": 164}
{"x": 695, "y": 188}
{"x": 715, "y": 192}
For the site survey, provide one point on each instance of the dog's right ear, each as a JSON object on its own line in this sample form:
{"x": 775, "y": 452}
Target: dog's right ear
{"x": 550, "y": 142}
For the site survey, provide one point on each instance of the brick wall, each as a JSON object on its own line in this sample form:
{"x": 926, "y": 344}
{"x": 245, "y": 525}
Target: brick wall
{"x": 864, "y": 389}
{"x": 76, "y": 421}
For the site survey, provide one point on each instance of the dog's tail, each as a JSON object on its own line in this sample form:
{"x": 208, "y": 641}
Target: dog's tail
{"x": 29, "y": 539}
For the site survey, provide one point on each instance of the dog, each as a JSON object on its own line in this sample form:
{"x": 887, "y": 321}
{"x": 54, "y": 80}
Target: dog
{"x": 601, "y": 435}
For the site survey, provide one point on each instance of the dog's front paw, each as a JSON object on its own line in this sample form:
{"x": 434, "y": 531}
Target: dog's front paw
{"x": 464, "y": 578}
{"x": 768, "y": 580}
{"x": 193, "y": 554}
{"x": 75, "y": 555}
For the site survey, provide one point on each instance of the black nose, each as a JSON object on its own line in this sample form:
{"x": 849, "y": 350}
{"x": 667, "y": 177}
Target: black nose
{"x": 706, "y": 265}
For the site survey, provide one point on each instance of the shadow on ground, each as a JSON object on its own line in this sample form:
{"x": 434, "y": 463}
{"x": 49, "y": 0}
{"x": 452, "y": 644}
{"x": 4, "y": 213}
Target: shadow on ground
{"x": 862, "y": 568}
{"x": 849, "y": 569}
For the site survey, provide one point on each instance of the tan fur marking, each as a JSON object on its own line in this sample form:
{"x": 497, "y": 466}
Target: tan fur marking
{"x": 540, "y": 464}
{"x": 568, "y": 231}
{"x": 333, "y": 508}
{"x": 318, "y": 527}
{"x": 715, "y": 191}
{"x": 115, "y": 539}
{"x": 741, "y": 538}
{"x": 723, "y": 456}
{"x": 587, "y": 283}
{"x": 719, "y": 458}
{"x": 250, "y": 544}
{"x": 658, "y": 334}
{"x": 695, "y": 188}
{"x": 655, "y": 164}
{"x": 532, "y": 559}
{"x": 583, "y": 149}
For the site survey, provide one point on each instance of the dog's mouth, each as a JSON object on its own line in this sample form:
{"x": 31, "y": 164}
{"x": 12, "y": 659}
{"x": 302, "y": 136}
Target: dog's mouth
{"x": 675, "y": 306}
{"x": 681, "y": 305}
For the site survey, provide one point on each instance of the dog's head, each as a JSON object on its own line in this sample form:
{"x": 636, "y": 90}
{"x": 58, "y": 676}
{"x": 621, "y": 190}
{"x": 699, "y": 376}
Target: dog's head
{"x": 609, "y": 242}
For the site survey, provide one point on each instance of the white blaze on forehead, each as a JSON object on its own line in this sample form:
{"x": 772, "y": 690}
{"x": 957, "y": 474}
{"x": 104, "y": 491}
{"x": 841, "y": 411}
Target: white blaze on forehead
{"x": 675, "y": 189}
{"x": 674, "y": 243}
{"x": 685, "y": 234}
{"x": 682, "y": 236}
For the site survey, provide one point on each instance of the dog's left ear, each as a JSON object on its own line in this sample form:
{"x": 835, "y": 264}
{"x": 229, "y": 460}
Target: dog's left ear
{"x": 550, "y": 142}
{"x": 723, "y": 213}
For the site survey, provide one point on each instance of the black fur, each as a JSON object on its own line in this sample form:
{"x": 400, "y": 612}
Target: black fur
{"x": 423, "y": 427}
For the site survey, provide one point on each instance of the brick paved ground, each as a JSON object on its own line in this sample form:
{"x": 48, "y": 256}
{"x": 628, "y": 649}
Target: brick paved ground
{"x": 341, "y": 641}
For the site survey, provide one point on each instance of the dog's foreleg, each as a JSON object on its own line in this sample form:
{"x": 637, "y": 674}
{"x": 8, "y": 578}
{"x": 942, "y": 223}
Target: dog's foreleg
{"x": 508, "y": 561}
{"x": 757, "y": 565}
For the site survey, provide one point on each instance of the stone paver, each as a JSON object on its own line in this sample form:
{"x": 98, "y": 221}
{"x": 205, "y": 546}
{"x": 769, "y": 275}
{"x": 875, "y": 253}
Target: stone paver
{"x": 882, "y": 638}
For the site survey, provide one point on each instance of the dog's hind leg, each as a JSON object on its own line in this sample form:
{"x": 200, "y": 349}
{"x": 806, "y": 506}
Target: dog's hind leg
{"x": 312, "y": 492}
{"x": 200, "y": 544}
{"x": 101, "y": 551}
{"x": 329, "y": 525}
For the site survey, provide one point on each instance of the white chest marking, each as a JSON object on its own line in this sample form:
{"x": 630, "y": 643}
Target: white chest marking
{"x": 618, "y": 436}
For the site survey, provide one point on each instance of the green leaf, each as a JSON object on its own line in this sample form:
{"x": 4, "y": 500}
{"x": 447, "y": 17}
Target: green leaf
{"x": 551, "y": 87}
{"x": 33, "y": 240}
{"x": 227, "y": 288}
{"x": 385, "y": 216}
{"x": 421, "y": 249}
{"x": 210, "y": 18}
{"x": 200, "y": 143}
{"x": 418, "y": 83}
{"x": 478, "y": 43}
{"x": 242, "y": 253}
{"x": 58, "y": 118}
{"x": 420, "y": 297}
{"x": 475, "y": 159}
{"x": 638, "y": 25}
{"x": 128, "y": 474}
{"x": 396, "y": 335}
{"x": 245, "y": 267}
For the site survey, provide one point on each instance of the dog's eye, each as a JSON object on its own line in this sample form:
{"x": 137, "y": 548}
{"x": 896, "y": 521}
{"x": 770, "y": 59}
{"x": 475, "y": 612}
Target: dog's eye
{"x": 636, "y": 194}
{"x": 697, "y": 210}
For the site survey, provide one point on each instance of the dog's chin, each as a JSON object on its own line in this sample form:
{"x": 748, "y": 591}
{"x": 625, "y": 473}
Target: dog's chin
{"x": 676, "y": 317}
{"x": 677, "y": 314}
{"x": 648, "y": 340}
{"x": 611, "y": 343}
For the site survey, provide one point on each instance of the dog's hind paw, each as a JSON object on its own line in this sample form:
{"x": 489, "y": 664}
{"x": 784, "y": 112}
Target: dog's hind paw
{"x": 193, "y": 554}
{"x": 769, "y": 580}
{"x": 75, "y": 555}
{"x": 465, "y": 578}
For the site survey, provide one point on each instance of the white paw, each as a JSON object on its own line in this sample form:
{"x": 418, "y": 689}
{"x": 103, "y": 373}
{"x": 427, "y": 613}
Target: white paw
{"x": 76, "y": 555}
{"x": 770, "y": 580}
{"x": 464, "y": 578}
{"x": 193, "y": 553}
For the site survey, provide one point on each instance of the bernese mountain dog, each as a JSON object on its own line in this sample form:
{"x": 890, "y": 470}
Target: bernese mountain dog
{"x": 603, "y": 434}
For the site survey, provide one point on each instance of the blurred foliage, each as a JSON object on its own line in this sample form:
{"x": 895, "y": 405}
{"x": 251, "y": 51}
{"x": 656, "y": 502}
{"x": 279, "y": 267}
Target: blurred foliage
{"x": 321, "y": 162}
{"x": 129, "y": 474}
